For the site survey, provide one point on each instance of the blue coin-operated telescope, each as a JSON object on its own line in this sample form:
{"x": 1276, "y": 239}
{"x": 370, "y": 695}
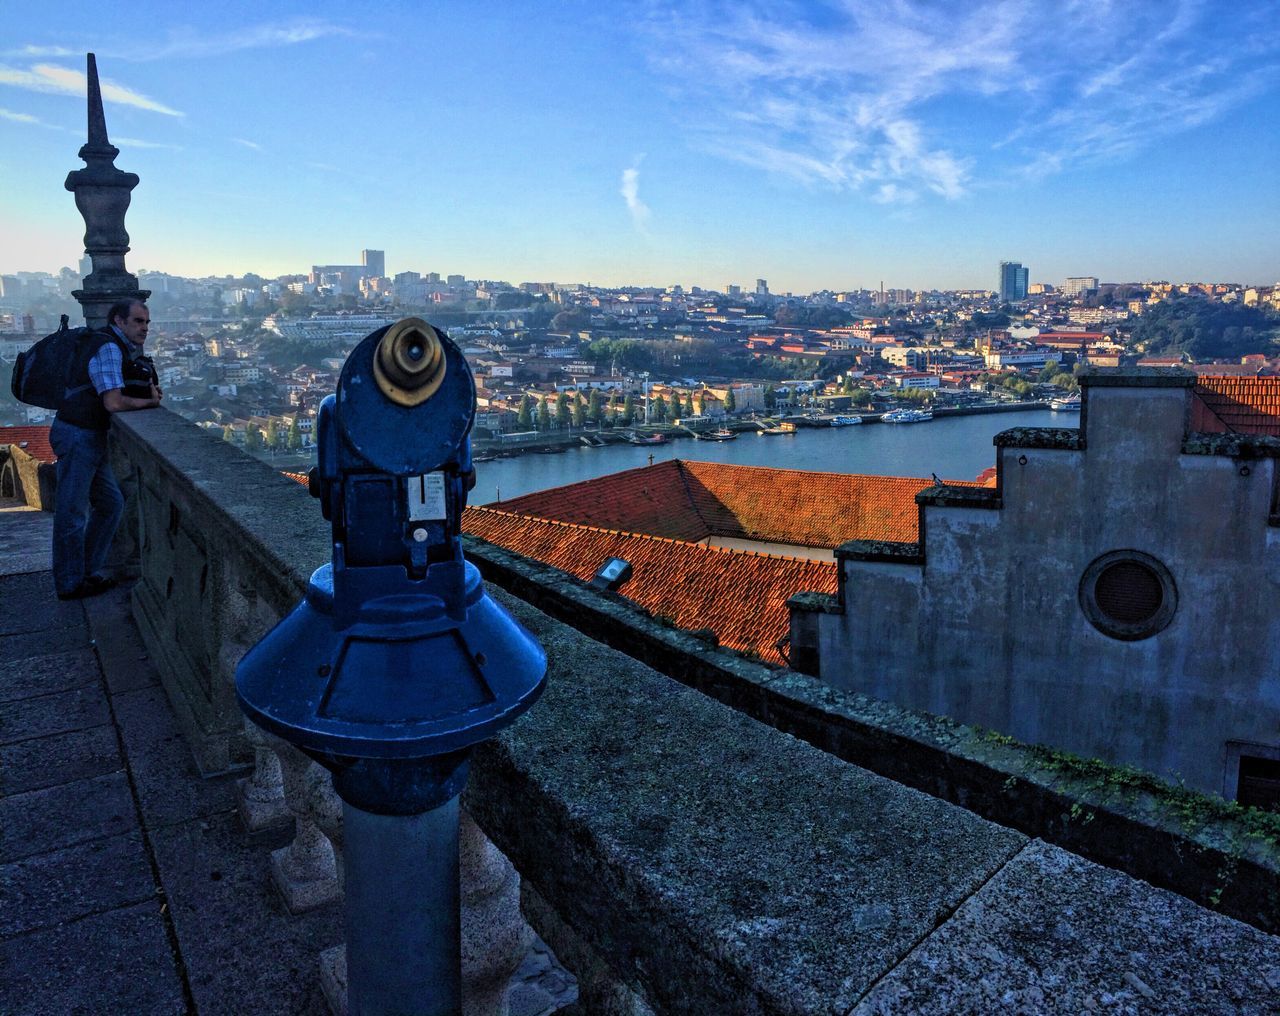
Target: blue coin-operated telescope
{"x": 397, "y": 663}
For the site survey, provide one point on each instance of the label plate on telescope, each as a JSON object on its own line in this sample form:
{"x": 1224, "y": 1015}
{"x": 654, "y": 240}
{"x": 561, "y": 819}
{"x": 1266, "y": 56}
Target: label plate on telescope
{"x": 426, "y": 497}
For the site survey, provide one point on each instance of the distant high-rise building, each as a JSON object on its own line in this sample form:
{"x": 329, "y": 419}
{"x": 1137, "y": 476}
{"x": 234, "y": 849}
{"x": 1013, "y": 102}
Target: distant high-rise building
{"x": 731, "y": 290}
{"x": 1079, "y": 285}
{"x": 455, "y": 280}
{"x": 1014, "y": 281}
{"x": 762, "y": 287}
{"x": 432, "y": 277}
{"x": 375, "y": 261}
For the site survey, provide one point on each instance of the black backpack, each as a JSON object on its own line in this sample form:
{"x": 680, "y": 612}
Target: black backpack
{"x": 40, "y": 374}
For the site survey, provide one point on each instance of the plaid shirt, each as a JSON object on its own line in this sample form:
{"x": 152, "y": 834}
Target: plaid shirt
{"x": 106, "y": 369}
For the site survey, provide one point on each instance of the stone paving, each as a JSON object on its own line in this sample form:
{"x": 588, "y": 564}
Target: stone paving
{"x": 127, "y": 883}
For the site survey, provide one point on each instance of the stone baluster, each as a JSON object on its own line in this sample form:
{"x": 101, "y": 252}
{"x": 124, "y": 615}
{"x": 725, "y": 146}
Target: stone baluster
{"x": 495, "y": 936}
{"x": 260, "y": 798}
{"x": 306, "y": 871}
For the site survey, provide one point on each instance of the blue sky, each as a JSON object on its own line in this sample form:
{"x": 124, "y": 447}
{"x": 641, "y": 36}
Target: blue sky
{"x": 815, "y": 145}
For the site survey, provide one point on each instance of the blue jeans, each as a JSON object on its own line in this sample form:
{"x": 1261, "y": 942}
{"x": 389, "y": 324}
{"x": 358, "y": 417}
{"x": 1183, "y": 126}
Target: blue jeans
{"x": 87, "y": 506}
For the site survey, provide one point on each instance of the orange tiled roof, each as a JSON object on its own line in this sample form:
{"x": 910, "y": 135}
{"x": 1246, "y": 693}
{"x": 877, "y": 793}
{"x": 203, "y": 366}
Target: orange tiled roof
{"x": 693, "y": 500}
{"x": 1233, "y": 404}
{"x": 297, "y": 477}
{"x": 741, "y": 595}
{"x": 36, "y": 440}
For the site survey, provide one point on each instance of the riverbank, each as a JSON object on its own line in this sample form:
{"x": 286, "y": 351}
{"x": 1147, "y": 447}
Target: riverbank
{"x": 508, "y": 446}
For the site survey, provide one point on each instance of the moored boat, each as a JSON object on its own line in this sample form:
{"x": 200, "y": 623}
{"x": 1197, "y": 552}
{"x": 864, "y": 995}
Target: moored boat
{"x": 845, "y": 421}
{"x": 645, "y": 439}
{"x": 1065, "y": 404}
{"x": 785, "y": 427}
{"x": 907, "y": 416}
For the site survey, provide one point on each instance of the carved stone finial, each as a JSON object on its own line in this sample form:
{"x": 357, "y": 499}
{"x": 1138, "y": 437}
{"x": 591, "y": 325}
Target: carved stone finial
{"x": 97, "y": 118}
{"x": 102, "y": 194}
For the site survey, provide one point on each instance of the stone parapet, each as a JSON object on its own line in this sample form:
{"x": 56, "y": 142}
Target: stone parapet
{"x": 710, "y": 861}
{"x": 226, "y": 545}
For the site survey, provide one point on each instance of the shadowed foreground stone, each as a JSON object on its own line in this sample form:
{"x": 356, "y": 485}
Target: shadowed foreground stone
{"x": 1054, "y": 933}
{"x": 718, "y": 865}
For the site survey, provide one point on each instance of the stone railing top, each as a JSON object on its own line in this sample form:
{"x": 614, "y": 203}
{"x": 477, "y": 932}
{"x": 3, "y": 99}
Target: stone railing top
{"x": 268, "y": 515}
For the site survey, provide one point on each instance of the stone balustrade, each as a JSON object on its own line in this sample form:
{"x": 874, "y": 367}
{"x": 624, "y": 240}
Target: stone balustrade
{"x": 678, "y": 854}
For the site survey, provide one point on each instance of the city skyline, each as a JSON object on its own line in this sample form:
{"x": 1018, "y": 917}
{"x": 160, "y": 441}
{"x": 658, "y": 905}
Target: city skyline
{"x": 654, "y": 145}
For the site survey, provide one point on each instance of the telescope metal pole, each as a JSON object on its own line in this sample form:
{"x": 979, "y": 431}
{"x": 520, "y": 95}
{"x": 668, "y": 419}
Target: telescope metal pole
{"x": 402, "y": 912}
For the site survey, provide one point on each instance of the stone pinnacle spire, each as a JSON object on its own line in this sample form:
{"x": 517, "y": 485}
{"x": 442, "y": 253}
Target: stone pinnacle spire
{"x": 102, "y": 194}
{"x": 97, "y": 118}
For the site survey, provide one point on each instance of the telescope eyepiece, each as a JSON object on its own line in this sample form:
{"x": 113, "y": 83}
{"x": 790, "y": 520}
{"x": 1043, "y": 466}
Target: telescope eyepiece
{"x": 409, "y": 363}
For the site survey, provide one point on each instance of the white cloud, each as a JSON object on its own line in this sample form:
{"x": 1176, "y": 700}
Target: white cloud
{"x": 189, "y": 43}
{"x": 138, "y": 143}
{"x": 900, "y": 98}
{"x": 6, "y": 114}
{"x": 66, "y": 81}
{"x": 248, "y": 144}
{"x": 630, "y": 191}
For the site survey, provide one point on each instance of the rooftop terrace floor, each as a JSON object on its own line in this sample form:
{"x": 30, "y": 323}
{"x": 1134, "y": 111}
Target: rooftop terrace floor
{"x": 127, "y": 883}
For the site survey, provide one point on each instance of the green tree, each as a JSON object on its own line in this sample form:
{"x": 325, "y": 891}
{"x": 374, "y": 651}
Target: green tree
{"x": 524, "y": 419}
{"x": 562, "y": 410}
{"x": 702, "y": 404}
{"x": 658, "y": 409}
{"x": 293, "y": 439}
{"x": 730, "y": 403}
{"x": 544, "y": 414}
{"x": 593, "y": 407}
{"x": 272, "y": 436}
{"x": 688, "y": 404}
{"x": 579, "y": 411}
{"x": 252, "y": 437}
{"x": 628, "y": 410}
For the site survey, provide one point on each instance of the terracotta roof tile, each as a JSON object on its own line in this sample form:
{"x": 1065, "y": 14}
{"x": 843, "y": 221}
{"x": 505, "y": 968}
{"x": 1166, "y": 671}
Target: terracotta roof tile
{"x": 36, "y": 440}
{"x": 740, "y": 595}
{"x": 694, "y": 500}
{"x": 1241, "y": 405}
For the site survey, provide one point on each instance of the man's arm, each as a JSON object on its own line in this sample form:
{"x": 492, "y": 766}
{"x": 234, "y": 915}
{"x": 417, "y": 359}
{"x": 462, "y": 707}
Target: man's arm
{"x": 116, "y": 401}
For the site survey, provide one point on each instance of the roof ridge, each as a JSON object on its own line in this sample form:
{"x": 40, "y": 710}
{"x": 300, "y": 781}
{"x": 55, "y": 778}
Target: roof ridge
{"x": 693, "y": 501}
{"x": 737, "y": 551}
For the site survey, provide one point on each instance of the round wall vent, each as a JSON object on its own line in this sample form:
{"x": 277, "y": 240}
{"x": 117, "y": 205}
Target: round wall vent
{"x": 1128, "y": 595}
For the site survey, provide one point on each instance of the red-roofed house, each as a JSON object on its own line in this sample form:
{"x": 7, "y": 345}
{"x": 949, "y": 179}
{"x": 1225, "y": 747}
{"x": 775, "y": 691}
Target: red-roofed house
{"x": 711, "y": 545}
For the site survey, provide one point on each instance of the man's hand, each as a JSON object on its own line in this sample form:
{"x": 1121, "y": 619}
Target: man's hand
{"x": 156, "y": 395}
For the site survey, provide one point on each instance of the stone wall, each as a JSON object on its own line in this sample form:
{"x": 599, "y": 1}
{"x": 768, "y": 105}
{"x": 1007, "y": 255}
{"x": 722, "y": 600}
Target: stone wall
{"x": 226, "y": 545}
{"x": 686, "y": 852}
{"x": 987, "y": 623}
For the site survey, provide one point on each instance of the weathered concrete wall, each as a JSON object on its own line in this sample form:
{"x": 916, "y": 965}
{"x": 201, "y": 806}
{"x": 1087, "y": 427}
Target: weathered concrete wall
{"x": 989, "y": 629}
{"x": 226, "y": 546}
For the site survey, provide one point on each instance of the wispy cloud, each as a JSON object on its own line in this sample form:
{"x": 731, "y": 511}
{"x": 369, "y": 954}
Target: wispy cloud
{"x": 66, "y": 81}
{"x": 6, "y": 114}
{"x": 900, "y": 99}
{"x": 630, "y": 191}
{"x": 138, "y": 143}
{"x": 248, "y": 144}
{"x": 193, "y": 43}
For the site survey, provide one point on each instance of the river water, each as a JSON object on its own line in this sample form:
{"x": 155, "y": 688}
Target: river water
{"x": 955, "y": 448}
